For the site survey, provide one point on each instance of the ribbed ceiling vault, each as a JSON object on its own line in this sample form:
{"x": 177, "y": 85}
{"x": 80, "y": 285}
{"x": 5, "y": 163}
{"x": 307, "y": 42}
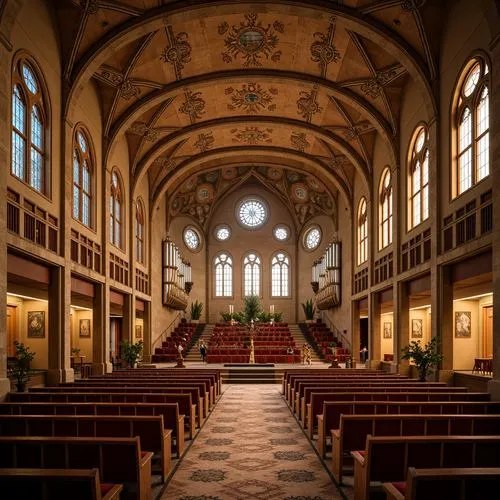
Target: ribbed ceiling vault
{"x": 193, "y": 85}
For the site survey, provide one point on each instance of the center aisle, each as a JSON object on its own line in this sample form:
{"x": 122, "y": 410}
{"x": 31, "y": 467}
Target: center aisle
{"x": 251, "y": 448}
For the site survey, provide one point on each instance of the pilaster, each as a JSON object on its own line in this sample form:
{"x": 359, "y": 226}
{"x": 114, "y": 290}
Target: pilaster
{"x": 401, "y": 327}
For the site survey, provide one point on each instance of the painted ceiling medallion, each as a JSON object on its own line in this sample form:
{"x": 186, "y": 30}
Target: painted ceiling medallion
{"x": 323, "y": 50}
{"x": 205, "y": 142}
{"x": 299, "y": 141}
{"x": 252, "y": 135}
{"x": 275, "y": 174}
{"x": 299, "y": 192}
{"x": 315, "y": 184}
{"x": 251, "y": 98}
{"x": 141, "y": 128}
{"x": 307, "y": 105}
{"x": 205, "y": 193}
{"x": 373, "y": 88}
{"x": 177, "y": 52}
{"x": 193, "y": 106}
{"x": 229, "y": 173}
{"x": 251, "y": 40}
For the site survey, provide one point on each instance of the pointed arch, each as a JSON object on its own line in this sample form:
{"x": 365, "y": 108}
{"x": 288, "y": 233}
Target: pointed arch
{"x": 385, "y": 208}
{"x": 140, "y": 232}
{"x": 252, "y": 273}
{"x": 362, "y": 226}
{"x": 83, "y": 177}
{"x": 116, "y": 210}
{"x": 418, "y": 177}
{"x": 223, "y": 274}
{"x": 280, "y": 274}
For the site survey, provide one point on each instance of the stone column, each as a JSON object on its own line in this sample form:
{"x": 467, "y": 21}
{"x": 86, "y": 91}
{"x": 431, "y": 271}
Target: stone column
{"x": 58, "y": 326}
{"x": 100, "y": 336}
{"x": 374, "y": 330}
{"x": 128, "y": 321}
{"x": 4, "y": 161}
{"x": 355, "y": 330}
{"x": 442, "y": 317}
{"x": 401, "y": 319}
{"x": 494, "y": 385}
{"x": 147, "y": 351}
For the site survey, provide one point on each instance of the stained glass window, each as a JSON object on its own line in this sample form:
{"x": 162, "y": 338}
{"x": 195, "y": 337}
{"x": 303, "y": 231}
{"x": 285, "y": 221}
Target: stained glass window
{"x": 223, "y": 275}
{"x": 280, "y": 275}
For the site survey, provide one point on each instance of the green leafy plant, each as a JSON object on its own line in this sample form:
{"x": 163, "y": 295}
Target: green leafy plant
{"x": 425, "y": 358}
{"x": 265, "y": 317}
{"x": 239, "y": 317}
{"x": 226, "y": 317}
{"x": 75, "y": 351}
{"x": 252, "y": 308}
{"x": 278, "y": 317}
{"x": 196, "y": 309}
{"x": 21, "y": 370}
{"x": 131, "y": 352}
{"x": 309, "y": 309}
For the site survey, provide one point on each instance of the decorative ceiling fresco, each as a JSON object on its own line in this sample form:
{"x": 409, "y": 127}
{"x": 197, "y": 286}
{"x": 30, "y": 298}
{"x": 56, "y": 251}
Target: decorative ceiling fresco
{"x": 303, "y": 194}
{"x": 316, "y": 81}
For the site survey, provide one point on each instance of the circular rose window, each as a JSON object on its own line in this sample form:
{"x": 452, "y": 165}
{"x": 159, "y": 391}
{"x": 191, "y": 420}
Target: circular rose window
{"x": 191, "y": 238}
{"x": 312, "y": 238}
{"x": 252, "y": 213}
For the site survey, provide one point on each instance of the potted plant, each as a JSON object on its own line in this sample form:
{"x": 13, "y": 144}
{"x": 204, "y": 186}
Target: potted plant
{"x": 21, "y": 370}
{"x": 265, "y": 317}
{"x": 425, "y": 358}
{"x": 226, "y": 317}
{"x": 278, "y": 317}
{"x": 196, "y": 308}
{"x": 131, "y": 352}
{"x": 75, "y": 351}
{"x": 309, "y": 310}
{"x": 252, "y": 308}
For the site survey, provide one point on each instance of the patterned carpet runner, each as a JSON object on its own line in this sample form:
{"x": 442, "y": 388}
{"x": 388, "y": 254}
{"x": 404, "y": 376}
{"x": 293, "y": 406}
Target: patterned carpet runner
{"x": 251, "y": 448}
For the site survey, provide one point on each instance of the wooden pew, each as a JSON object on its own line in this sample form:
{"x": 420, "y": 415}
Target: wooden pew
{"x": 330, "y": 419}
{"x": 117, "y": 388}
{"x": 436, "y": 484}
{"x": 50, "y": 484}
{"x": 173, "y": 422}
{"x": 370, "y": 383}
{"x": 111, "y": 397}
{"x": 353, "y": 430}
{"x": 154, "y": 438}
{"x": 119, "y": 460}
{"x": 317, "y": 399}
{"x": 387, "y": 459}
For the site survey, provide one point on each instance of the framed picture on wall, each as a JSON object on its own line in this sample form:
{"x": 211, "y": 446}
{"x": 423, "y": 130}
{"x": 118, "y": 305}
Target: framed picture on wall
{"x": 138, "y": 331}
{"x": 84, "y": 328}
{"x": 463, "y": 322}
{"x": 417, "y": 329}
{"x": 388, "y": 330}
{"x": 36, "y": 324}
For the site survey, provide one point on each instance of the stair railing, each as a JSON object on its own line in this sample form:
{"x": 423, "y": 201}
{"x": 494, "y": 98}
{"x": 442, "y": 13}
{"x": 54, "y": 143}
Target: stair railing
{"x": 338, "y": 333}
{"x": 170, "y": 328}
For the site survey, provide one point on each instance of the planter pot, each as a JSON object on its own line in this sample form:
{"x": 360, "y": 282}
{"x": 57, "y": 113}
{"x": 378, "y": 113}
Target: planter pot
{"x": 21, "y": 387}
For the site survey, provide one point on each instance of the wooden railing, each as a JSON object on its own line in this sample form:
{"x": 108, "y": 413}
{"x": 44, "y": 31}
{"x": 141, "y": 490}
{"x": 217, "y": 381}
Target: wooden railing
{"x": 118, "y": 269}
{"x": 361, "y": 280}
{"x": 383, "y": 269}
{"x": 86, "y": 252}
{"x": 416, "y": 251}
{"x": 141, "y": 281}
{"x": 32, "y": 223}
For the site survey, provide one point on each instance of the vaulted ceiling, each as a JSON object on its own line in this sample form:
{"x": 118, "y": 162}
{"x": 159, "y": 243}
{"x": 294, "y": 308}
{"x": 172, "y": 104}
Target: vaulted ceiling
{"x": 200, "y": 84}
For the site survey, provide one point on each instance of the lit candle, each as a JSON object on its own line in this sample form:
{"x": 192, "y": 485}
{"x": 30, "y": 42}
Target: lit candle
{"x": 231, "y": 308}
{"x": 271, "y": 308}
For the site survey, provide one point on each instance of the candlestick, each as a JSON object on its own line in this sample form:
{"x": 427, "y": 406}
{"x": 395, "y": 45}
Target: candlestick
{"x": 271, "y": 308}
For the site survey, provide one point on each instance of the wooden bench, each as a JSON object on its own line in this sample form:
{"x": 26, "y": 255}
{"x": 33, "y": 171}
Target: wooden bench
{"x": 51, "y": 484}
{"x": 330, "y": 419}
{"x": 436, "y": 484}
{"x": 153, "y": 437}
{"x": 381, "y": 394}
{"x": 387, "y": 459}
{"x": 119, "y": 460}
{"x": 353, "y": 430}
{"x": 317, "y": 399}
{"x": 118, "y": 388}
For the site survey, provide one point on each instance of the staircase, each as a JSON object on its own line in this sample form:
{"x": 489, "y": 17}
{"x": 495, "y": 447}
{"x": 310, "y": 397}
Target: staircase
{"x": 299, "y": 338}
{"x": 203, "y": 335}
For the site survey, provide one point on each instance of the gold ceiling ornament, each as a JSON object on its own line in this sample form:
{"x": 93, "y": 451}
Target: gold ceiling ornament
{"x": 338, "y": 161}
{"x": 193, "y": 106}
{"x": 141, "y": 128}
{"x": 165, "y": 162}
{"x": 110, "y": 76}
{"x": 412, "y": 5}
{"x": 128, "y": 90}
{"x": 251, "y": 40}
{"x": 177, "y": 52}
{"x": 354, "y": 131}
{"x": 373, "y": 87}
{"x": 91, "y": 7}
{"x": 205, "y": 142}
{"x": 299, "y": 141}
{"x": 252, "y": 135}
{"x": 307, "y": 105}
{"x": 323, "y": 50}
{"x": 251, "y": 98}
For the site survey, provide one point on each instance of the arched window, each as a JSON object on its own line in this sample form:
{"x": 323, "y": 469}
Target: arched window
{"x": 472, "y": 122}
{"x": 362, "y": 231}
{"x": 223, "y": 275}
{"x": 139, "y": 232}
{"x": 385, "y": 195}
{"x": 116, "y": 211}
{"x": 82, "y": 179}
{"x": 419, "y": 177}
{"x": 30, "y": 127}
{"x": 251, "y": 276}
{"x": 280, "y": 275}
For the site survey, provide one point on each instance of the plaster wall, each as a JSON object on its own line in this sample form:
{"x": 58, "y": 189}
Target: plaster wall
{"x": 82, "y": 343}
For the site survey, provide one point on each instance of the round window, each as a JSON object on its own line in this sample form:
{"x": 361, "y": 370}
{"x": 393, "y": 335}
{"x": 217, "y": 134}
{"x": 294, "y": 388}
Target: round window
{"x": 281, "y": 232}
{"x": 312, "y": 238}
{"x": 222, "y": 232}
{"x": 252, "y": 213}
{"x": 191, "y": 238}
